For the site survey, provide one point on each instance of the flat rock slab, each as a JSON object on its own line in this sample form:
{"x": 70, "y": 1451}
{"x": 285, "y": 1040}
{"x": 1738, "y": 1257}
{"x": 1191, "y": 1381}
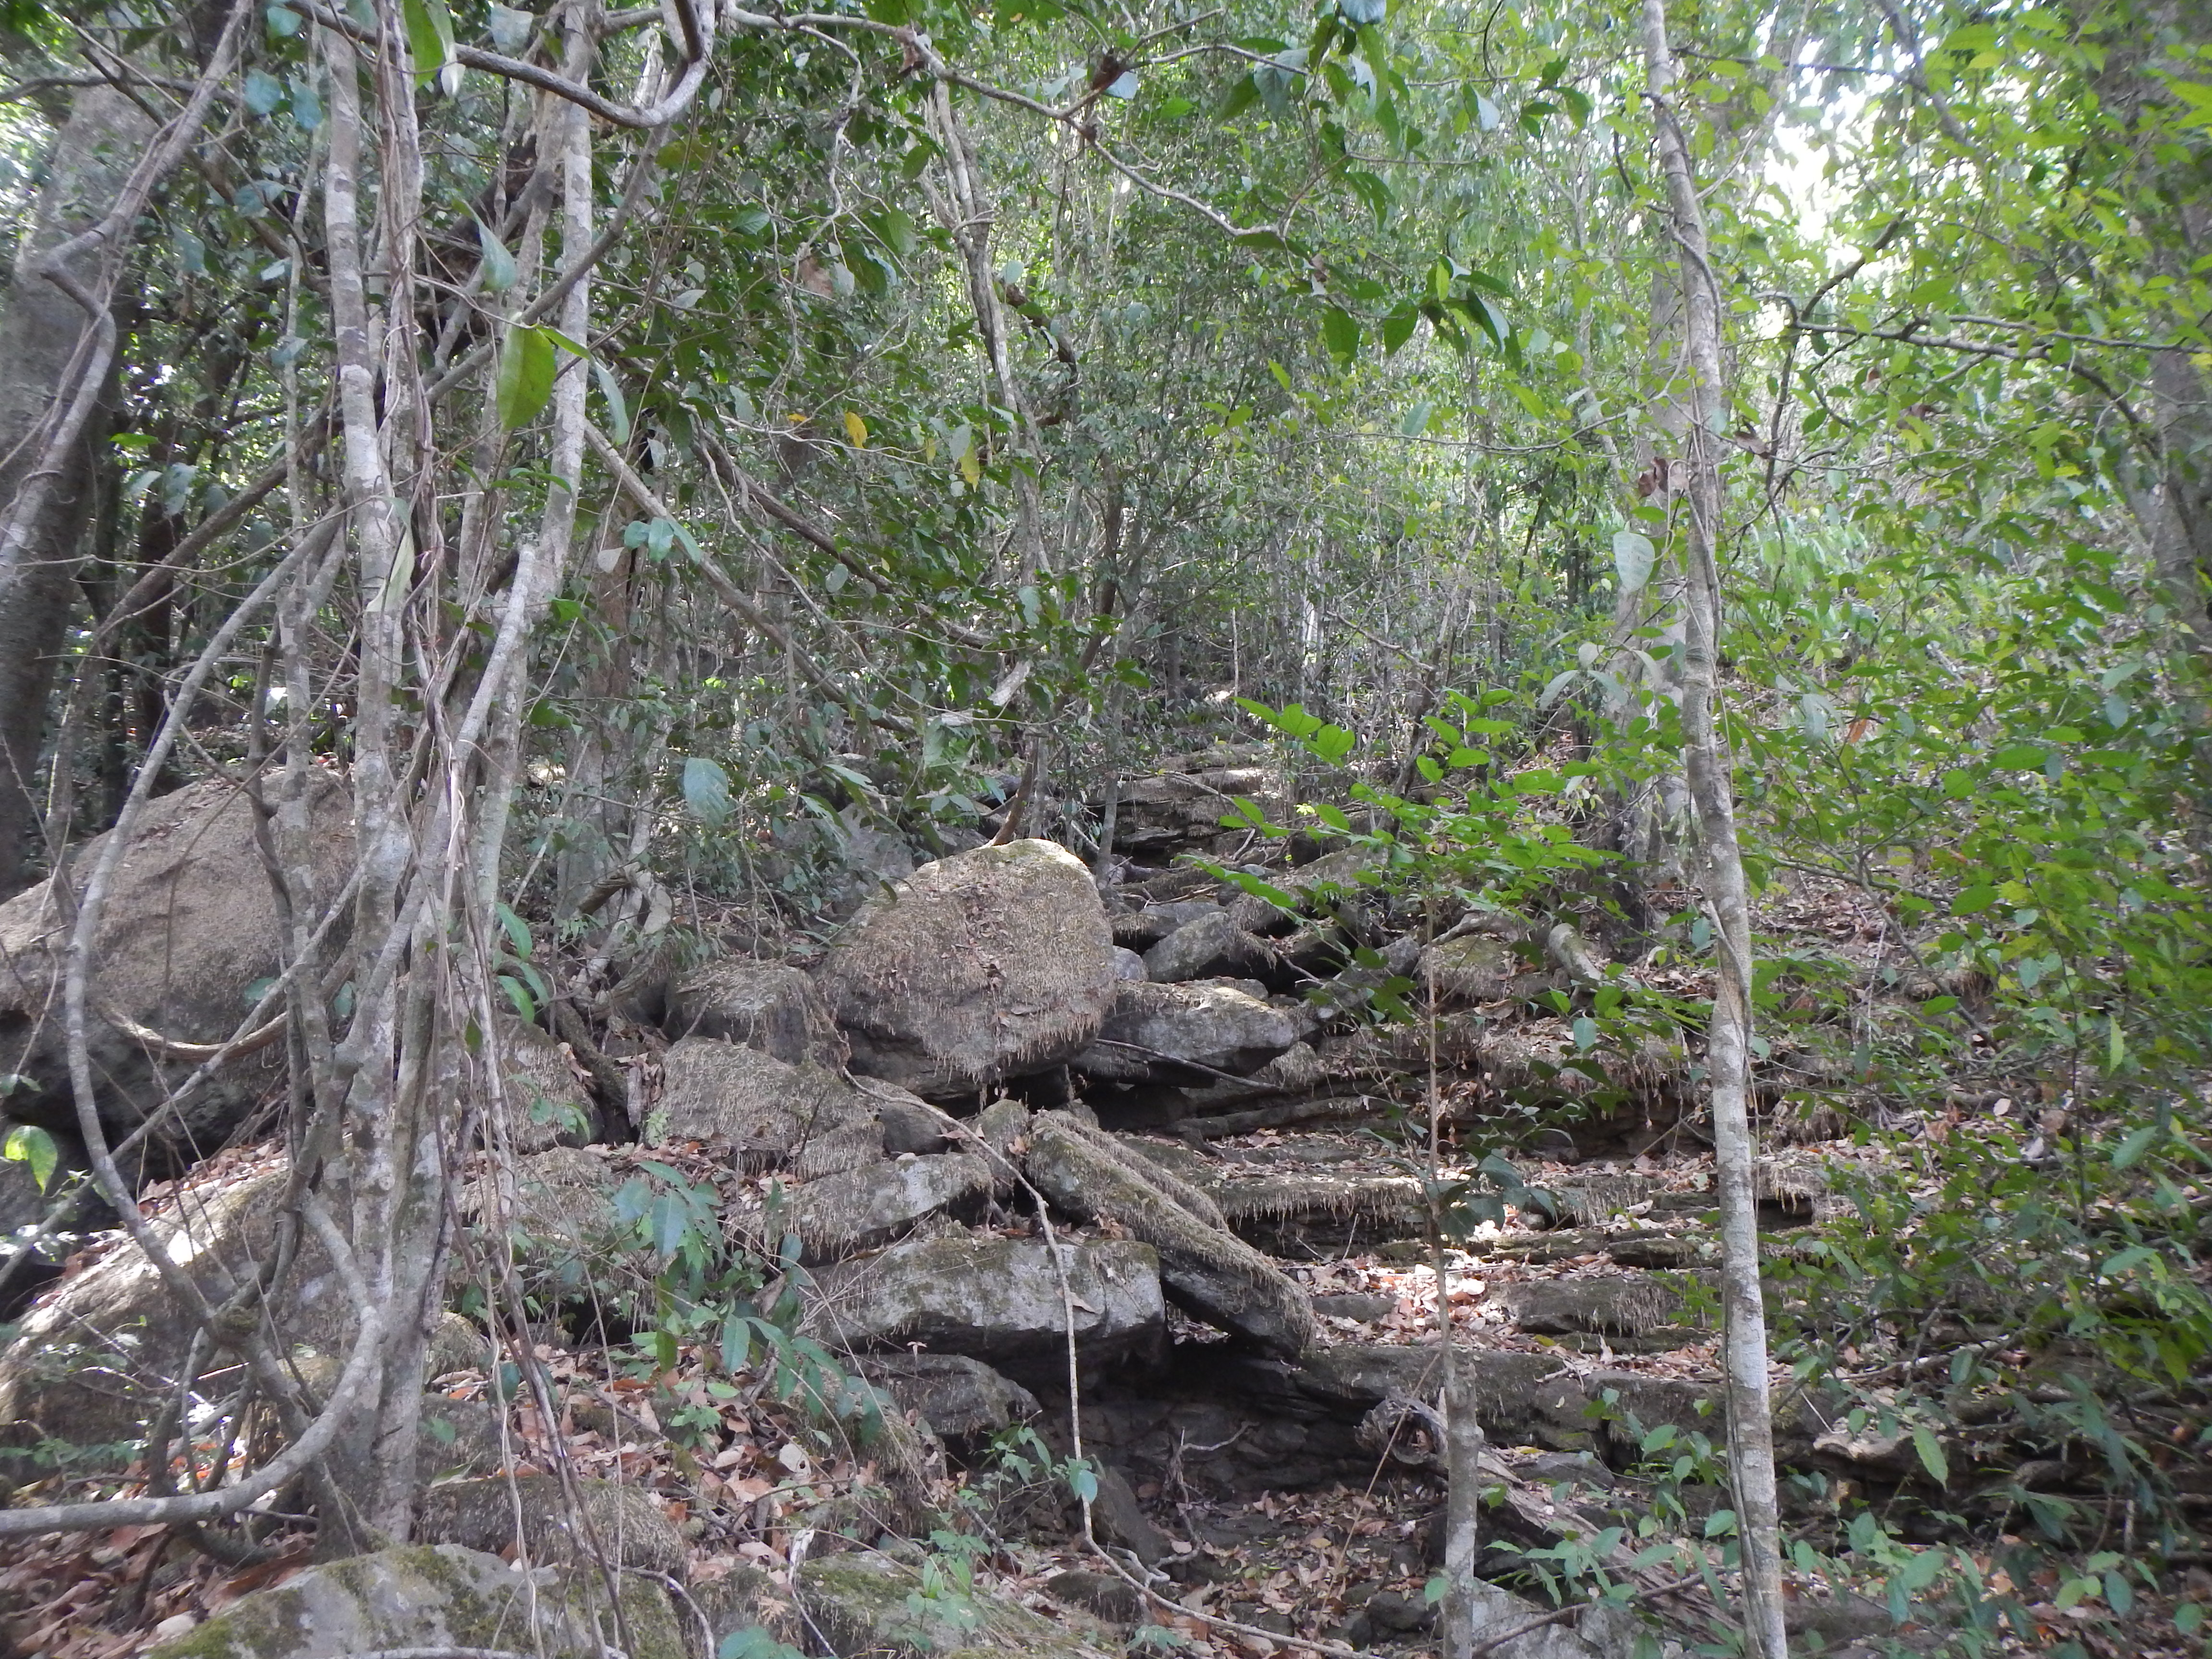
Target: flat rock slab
{"x": 996, "y": 1299}
{"x": 1624, "y": 1306}
{"x": 865, "y": 1209}
{"x": 624, "y": 1523}
{"x": 1164, "y": 1031}
{"x": 436, "y": 1597}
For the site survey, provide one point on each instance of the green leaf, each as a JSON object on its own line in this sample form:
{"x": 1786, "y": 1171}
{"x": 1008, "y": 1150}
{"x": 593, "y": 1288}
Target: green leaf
{"x": 1974, "y": 900}
{"x": 1361, "y": 13}
{"x": 28, "y": 1144}
{"x": 1417, "y": 419}
{"x": 1082, "y": 1480}
{"x": 526, "y": 375}
{"x": 706, "y": 789}
{"x": 430, "y": 41}
{"x": 500, "y": 270}
{"x": 2018, "y": 757}
{"x": 1633, "y": 555}
{"x": 617, "y": 410}
{"x": 1931, "y": 1455}
{"x": 1398, "y": 327}
{"x": 1341, "y": 331}
{"x": 261, "y": 93}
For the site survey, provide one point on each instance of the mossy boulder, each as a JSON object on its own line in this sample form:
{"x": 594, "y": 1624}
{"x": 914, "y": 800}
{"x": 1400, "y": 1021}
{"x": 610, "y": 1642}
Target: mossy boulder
{"x": 976, "y": 967}
{"x": 761, "y": 1112}
{"x": 426, "y": 1596}
{"x": 547, "y": 1104}
{"x": 1162, "y": 1032}
{"x": 758, "y": 1005}
{"x": 869, "y": 1604}
{"x": 624, "y": 1523}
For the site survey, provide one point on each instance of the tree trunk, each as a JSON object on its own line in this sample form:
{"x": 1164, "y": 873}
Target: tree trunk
{"x": 1750, "y": 1419}
{"x": 41, "y": 330}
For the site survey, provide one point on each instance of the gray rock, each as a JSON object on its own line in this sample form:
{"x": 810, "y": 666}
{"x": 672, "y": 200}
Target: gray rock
{"x": 1128, "y": 965}
{"x": 959, "y": 1397}
{"x": 442, "y": 1597}
{"x": 1118, "y": 1518}
{"x": 624, "y": 1523}
{"x": 1100, "y": 1595}
{"x": 558, "y": 1209}
{"x": 977, "y": 967}
{"x": 1211, "y": 947}
{"x": 760, "y": 1005}
{"x": 765, "y": 1114}
{"x": 93, "y": 1356}
{"x": 460, "y": 1437}
{"x": 190, "y": 923}
{"x": 1141, "y": 929}
{"x": 1162, "y": 1031}
{"x": 909, "y": 1126}
{"x": 1601, "y": 1631}
{"x": 547, "y": 1104}
{"x": 864, "y": 1209}
{"x": 1365, "y": 1308}
{"x": 1475, "y": 968}
{"x": 995, "y": 1299}
{"x": 1209, "y": 1270}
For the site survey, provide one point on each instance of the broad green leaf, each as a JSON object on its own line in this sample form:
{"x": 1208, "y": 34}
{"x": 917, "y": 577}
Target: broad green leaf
{"x": 1633, "y": 555}
{"x": 617, "y": 409}
{"x": 29, "y": 1144}
{"x": 500, "y": 270}
{"x": 430, "y": 39}
{"x": 526, "y": 375}
{"x": 1417, "y": 419}
{"x": 1931, "y": 1455}
{"x": 1341, "y": 331}
{"x": 706, "y": 789}
{"x": 1398, "y": 327}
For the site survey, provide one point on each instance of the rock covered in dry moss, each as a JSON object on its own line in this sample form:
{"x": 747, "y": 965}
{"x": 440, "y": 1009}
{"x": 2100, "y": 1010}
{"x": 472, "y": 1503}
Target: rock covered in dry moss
{"x": 996, "y": 1299}
{"x": 865, "y": 1209}
{"x": 870, "y": 1604}
{"x": 1209, "y": 1272}
{"x": 765, "y": 1114}
{"x": 976, "y": 967}
{"x": 1163, "y": 1031}
{"x": 189, "y": 922}
{"x": 624, "y": 1523}
{"x": 760, "y": 1005}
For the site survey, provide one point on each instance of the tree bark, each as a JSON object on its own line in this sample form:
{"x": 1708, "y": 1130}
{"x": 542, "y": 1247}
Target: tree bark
{"x": 41, "y": 332}
{"x": 1706, "y": 764}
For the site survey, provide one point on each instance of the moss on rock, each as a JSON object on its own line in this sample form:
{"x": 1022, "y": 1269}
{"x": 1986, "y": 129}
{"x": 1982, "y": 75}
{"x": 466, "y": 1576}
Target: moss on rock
{"x": 421, "y": 1595}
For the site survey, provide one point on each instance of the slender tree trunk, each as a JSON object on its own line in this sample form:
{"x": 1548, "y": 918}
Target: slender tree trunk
{"x": 42, "y": 332}
{"x": 1750, "y": 1419}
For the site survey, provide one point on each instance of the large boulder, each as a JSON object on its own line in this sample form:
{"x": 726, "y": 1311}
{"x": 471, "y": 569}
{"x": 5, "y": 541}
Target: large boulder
{"x": 999, "y": 1300}
{"x": 439, "y": 1599}
{"x": 190, "y": 925}
{"x": 761, "y": 1005}
{"x": 1208, "y": 1271}
{"x": 1160, "y": 1031}
{"x": 976, "y": 967}
{"x": 765, "y": 1114}
{"x": 92, "y": 1359}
